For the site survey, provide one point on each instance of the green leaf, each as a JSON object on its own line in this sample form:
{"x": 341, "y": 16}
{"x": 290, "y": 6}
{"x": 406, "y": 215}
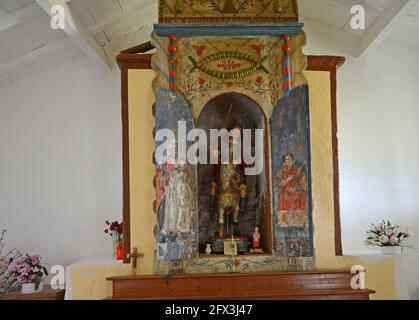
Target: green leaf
{"x": 37, "y": 283}
{"x": 246, "y": 266}
{"x": 228, "y": 266}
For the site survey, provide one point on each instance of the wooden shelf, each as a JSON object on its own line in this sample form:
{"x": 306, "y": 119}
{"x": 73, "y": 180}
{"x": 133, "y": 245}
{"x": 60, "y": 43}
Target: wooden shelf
{"x": 47, "y": 294}
{"x": 306, "y": 285}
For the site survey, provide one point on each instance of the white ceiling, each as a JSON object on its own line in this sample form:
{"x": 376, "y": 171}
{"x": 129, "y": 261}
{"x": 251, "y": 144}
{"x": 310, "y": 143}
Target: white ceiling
{"x": 337, "y": 13}
{"x": 407, "y": 32}
{"x": 111, "y": 22}
{"x": 36, "y": 33}
{"x": 102, "y": 28}
{"x": 8, "y": 6}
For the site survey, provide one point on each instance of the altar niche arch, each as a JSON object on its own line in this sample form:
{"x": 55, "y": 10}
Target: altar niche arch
{"x": 220, "y": 113}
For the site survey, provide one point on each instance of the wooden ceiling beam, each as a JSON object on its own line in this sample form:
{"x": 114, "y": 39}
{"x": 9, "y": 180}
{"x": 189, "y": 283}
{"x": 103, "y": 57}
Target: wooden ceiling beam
{"x": 128, "y": 40}
{"x": 126, "y": 14}
{"x": 385, "y": 24}
{"x": 35, "y": 54}
{"x": 78, "y": 33}
{"x": 11, "y": 19}
{"x": 351, "y": 3}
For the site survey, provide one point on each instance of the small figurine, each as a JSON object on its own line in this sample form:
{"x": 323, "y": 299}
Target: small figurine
{"x": 256, "y": 238}
{"x": 256, "y": 248}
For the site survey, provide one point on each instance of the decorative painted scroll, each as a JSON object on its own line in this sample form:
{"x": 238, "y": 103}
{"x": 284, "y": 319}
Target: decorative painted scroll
{"x": 229, "y": 73}
{"x": 229, "y": 64}
{"x": 213, "y": 11}
{"x": 176, "y": 231}
{"x": 291, "y": 175}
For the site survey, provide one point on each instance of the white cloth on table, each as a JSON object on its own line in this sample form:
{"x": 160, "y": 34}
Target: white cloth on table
{"x": 88, "y": 261}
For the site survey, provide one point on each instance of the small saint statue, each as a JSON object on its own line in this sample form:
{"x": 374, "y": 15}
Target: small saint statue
{"x": 175, "y": 195}
{"x": 256, "y": 246}
{"x": 228, "y": 187}
{"x": 256, "y": 238}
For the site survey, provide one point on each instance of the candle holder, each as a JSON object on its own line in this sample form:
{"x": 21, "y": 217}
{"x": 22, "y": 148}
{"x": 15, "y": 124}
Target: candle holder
{"x": 120, "y": 251}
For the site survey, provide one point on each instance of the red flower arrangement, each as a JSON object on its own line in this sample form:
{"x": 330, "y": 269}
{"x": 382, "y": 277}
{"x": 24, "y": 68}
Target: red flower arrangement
{"x": 115, "y": 230}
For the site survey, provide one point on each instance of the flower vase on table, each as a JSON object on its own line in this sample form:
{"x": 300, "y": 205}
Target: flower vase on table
{"x": 119, "y": 251}
{"x": 117, "y": 246}
{"x": 114, "y": 229}
{"x": 390, "y": 237}
{"x": 115, "y": 241}
{"x": 29, "y": 272}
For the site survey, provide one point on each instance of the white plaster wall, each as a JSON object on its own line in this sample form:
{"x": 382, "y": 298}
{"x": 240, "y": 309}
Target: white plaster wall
{"x": 60, "y": 161}
{"x": 378, "y": 115}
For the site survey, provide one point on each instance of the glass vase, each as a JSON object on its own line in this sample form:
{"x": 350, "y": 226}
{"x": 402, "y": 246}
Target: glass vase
{"x": 115, "y": 239}
{"x": 119, "y": 251}
{"x": 117, "y": 242}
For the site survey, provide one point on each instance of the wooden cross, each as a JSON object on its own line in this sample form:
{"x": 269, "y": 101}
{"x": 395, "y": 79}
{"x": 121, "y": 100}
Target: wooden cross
{"x": 133, "y": 257}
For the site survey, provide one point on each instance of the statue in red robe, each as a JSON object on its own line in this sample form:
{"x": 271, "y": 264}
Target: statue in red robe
{"x": 292, "y": 186}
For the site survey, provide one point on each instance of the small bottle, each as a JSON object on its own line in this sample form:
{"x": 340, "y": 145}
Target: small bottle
{"x": 208, "y": 249}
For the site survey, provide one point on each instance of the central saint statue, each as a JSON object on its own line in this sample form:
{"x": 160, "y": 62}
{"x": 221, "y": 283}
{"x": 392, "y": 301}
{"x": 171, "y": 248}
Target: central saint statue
{"x": 228, "y": 188}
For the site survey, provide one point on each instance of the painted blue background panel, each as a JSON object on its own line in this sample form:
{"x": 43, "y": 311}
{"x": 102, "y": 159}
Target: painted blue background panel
{"x": 292, "y": 195}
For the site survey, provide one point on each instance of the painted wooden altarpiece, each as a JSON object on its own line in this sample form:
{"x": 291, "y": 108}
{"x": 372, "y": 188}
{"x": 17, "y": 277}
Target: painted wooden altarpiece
{"x": 219, "y": 64}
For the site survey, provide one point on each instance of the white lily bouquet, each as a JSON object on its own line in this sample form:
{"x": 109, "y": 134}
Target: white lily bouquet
{"x": 387, "y": 234}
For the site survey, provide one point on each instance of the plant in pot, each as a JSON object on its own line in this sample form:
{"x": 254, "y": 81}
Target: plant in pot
{"x": 29, "y": 272}
{"x": 390, "y": 237}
